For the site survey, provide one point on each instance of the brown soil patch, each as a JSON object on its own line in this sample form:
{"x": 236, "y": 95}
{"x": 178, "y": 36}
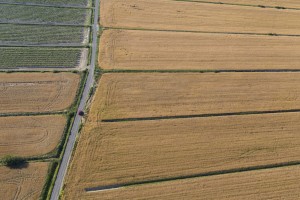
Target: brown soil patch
{"x": 116, "y": 153}
{"x": 175, "y": 15}
{"x": 151, "y": 50}
{"x": 23, "y": 183}
{"x": 30, "y": 135}
{"x": 37, "y": 92}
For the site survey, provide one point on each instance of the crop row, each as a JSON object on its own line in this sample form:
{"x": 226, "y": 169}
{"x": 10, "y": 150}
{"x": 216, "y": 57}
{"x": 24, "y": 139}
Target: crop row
{"x": 28, "y": 57}
{"x": 37, "y": 34}
{"x": 44, "y": 15}
{"x": 52, "y": 2}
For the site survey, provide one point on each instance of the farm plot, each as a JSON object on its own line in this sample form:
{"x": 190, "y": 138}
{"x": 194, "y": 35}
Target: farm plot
{"x": 189, "y": 16}
{"x": 280, "y": 183}
{"x": 13, "y": 34}
{"x": 145, "y": 95}
{"x": 23, "y": 183}
{"x": 83, "y": 3}
{"x": 44, "y": 15}
{"x": 30, "y": 135}
{"x": 129, "y": 152}
{"x": 152, "y": 50}
{"x": 273, "y": 3}
{"x": 41, "y": 57}
{"x": 36, "y": 92}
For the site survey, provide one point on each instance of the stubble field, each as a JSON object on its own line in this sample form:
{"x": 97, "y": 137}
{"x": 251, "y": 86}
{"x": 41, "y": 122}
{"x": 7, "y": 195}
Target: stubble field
{"x": 129, "y": 152}
{"x": 30, "y": 135}
{"x": 152, "y": 50}
{"x": 37, "y": 92}
{"x": 274, "y": 3}
{"x": 188, "y": 16}
{"x": 280, "y": 183}
{"x": 143, "y": 95}
{"x": 23, "y": 183}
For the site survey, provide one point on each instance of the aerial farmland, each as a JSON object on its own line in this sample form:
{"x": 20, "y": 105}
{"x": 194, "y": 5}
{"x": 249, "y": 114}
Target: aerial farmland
{"x": 195, "y": 100}
{"x": 139, "y": 99}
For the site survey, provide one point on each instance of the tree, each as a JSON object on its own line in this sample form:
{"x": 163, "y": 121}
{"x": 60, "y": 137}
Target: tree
{"x": 13, "y": 161}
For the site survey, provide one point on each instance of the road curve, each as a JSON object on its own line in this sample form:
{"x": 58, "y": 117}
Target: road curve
{"x": 75, "y": 128}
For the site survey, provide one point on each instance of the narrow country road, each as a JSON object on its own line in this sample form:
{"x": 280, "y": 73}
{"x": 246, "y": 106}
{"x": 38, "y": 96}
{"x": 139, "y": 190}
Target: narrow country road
{"x": 75, "y": 128}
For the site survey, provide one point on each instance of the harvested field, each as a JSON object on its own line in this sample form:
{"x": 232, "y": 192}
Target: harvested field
{"x": 280, "y": 183}
{"x": 16, "y": 34}
{"x": 145, "y": 95}
{"x": 30, "y": 135}
{"x": 44, "y": 15}
{"x": 189, "y": 16}
{"x": 23, "y": 183}
{"x": 152, "y": 50}
{"x": 273, "y": 3}
{"x": 120, "y": 153}
{"x": 41, "y": 57}
{"x": 37, "y": 92}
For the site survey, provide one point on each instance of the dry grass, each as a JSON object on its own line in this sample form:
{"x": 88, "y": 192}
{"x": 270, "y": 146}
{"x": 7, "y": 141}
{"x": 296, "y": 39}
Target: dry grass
{"x": 280, "y": 183}
{"x": 174, "y": 15}
{"x": 116, "y": 153}
{"x": 37, "y": 92}
{"x": 30, "y": 135}
{"x": 151, "y": 50}
{"x": 23, "y": 183}
{"x": 170, "y": 94}
{"x": 275, "y": 3}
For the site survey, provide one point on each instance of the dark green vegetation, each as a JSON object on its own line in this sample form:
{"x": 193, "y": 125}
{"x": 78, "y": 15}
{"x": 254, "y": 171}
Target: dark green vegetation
{"x": 44, "y": 15}
{"x": 14, "y": 34}
{"x": 13, "y": 161}
{"x": 30, "y": 57}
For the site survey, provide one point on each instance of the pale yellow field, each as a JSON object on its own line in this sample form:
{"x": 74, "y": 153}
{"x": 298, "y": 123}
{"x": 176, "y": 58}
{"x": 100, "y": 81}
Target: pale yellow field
{"x": 274, "y": 3}
{"x": 30, "y": 135}
{"x": 152, "y": 50}
{"x": 280, "y": 183}
{"x": 124, "y": 152}
{"x": 175, "y": 15}
{"x": 37, "y": 92}
{"x": 25, "y": 183}
{"x": 132, "y": 95}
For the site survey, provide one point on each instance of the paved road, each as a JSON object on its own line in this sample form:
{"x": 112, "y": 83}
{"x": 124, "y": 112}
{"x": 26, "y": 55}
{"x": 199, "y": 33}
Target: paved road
{"x": 89, "y": 83}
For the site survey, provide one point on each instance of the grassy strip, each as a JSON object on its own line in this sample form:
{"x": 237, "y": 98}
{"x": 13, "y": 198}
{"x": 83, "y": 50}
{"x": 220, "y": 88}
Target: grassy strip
{"x": 61, "y": 148}
{"x": 31, "y": 114}
{"x": 213, "y": 173}
{"x": 51, "y": 171}
{"x": 187, "y": 31}
{"x": 200, "y": 115}
{"x": 237, "y": 4}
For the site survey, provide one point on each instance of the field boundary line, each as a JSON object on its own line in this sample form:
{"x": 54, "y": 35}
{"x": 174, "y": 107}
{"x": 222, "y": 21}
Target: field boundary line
{"x": 212, "y": 173}
{"x": 70, "y": 45}
{"x": 239, "y": 4}
{"x": 211, "y": 32}
{"x": 199, "y": 116}
{"x": 32, "y": 113}
{"x": 104, "y": 71}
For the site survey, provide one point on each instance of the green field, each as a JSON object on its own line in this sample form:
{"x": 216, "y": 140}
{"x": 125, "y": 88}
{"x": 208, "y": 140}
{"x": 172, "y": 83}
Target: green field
{"x": 28, "y": 57}
{"x": 16, "y": 34}
{"x": 44, "y": 15}
{"x": 52, "y": 2}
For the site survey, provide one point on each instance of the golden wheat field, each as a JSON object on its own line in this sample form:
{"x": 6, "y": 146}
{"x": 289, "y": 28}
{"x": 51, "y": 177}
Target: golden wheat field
{"x": 274, "y": 3}
{"x": 189, "y": 16}
{"x": 23, "y": 183}
{"x": 280, "y": 183}
{"x": 152, "y": 50}
{"x": 37, "y": 92}
{"x": 125, "y": 152}
{"x": 142, "y": 95}
{"x": 30, "y": 135}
